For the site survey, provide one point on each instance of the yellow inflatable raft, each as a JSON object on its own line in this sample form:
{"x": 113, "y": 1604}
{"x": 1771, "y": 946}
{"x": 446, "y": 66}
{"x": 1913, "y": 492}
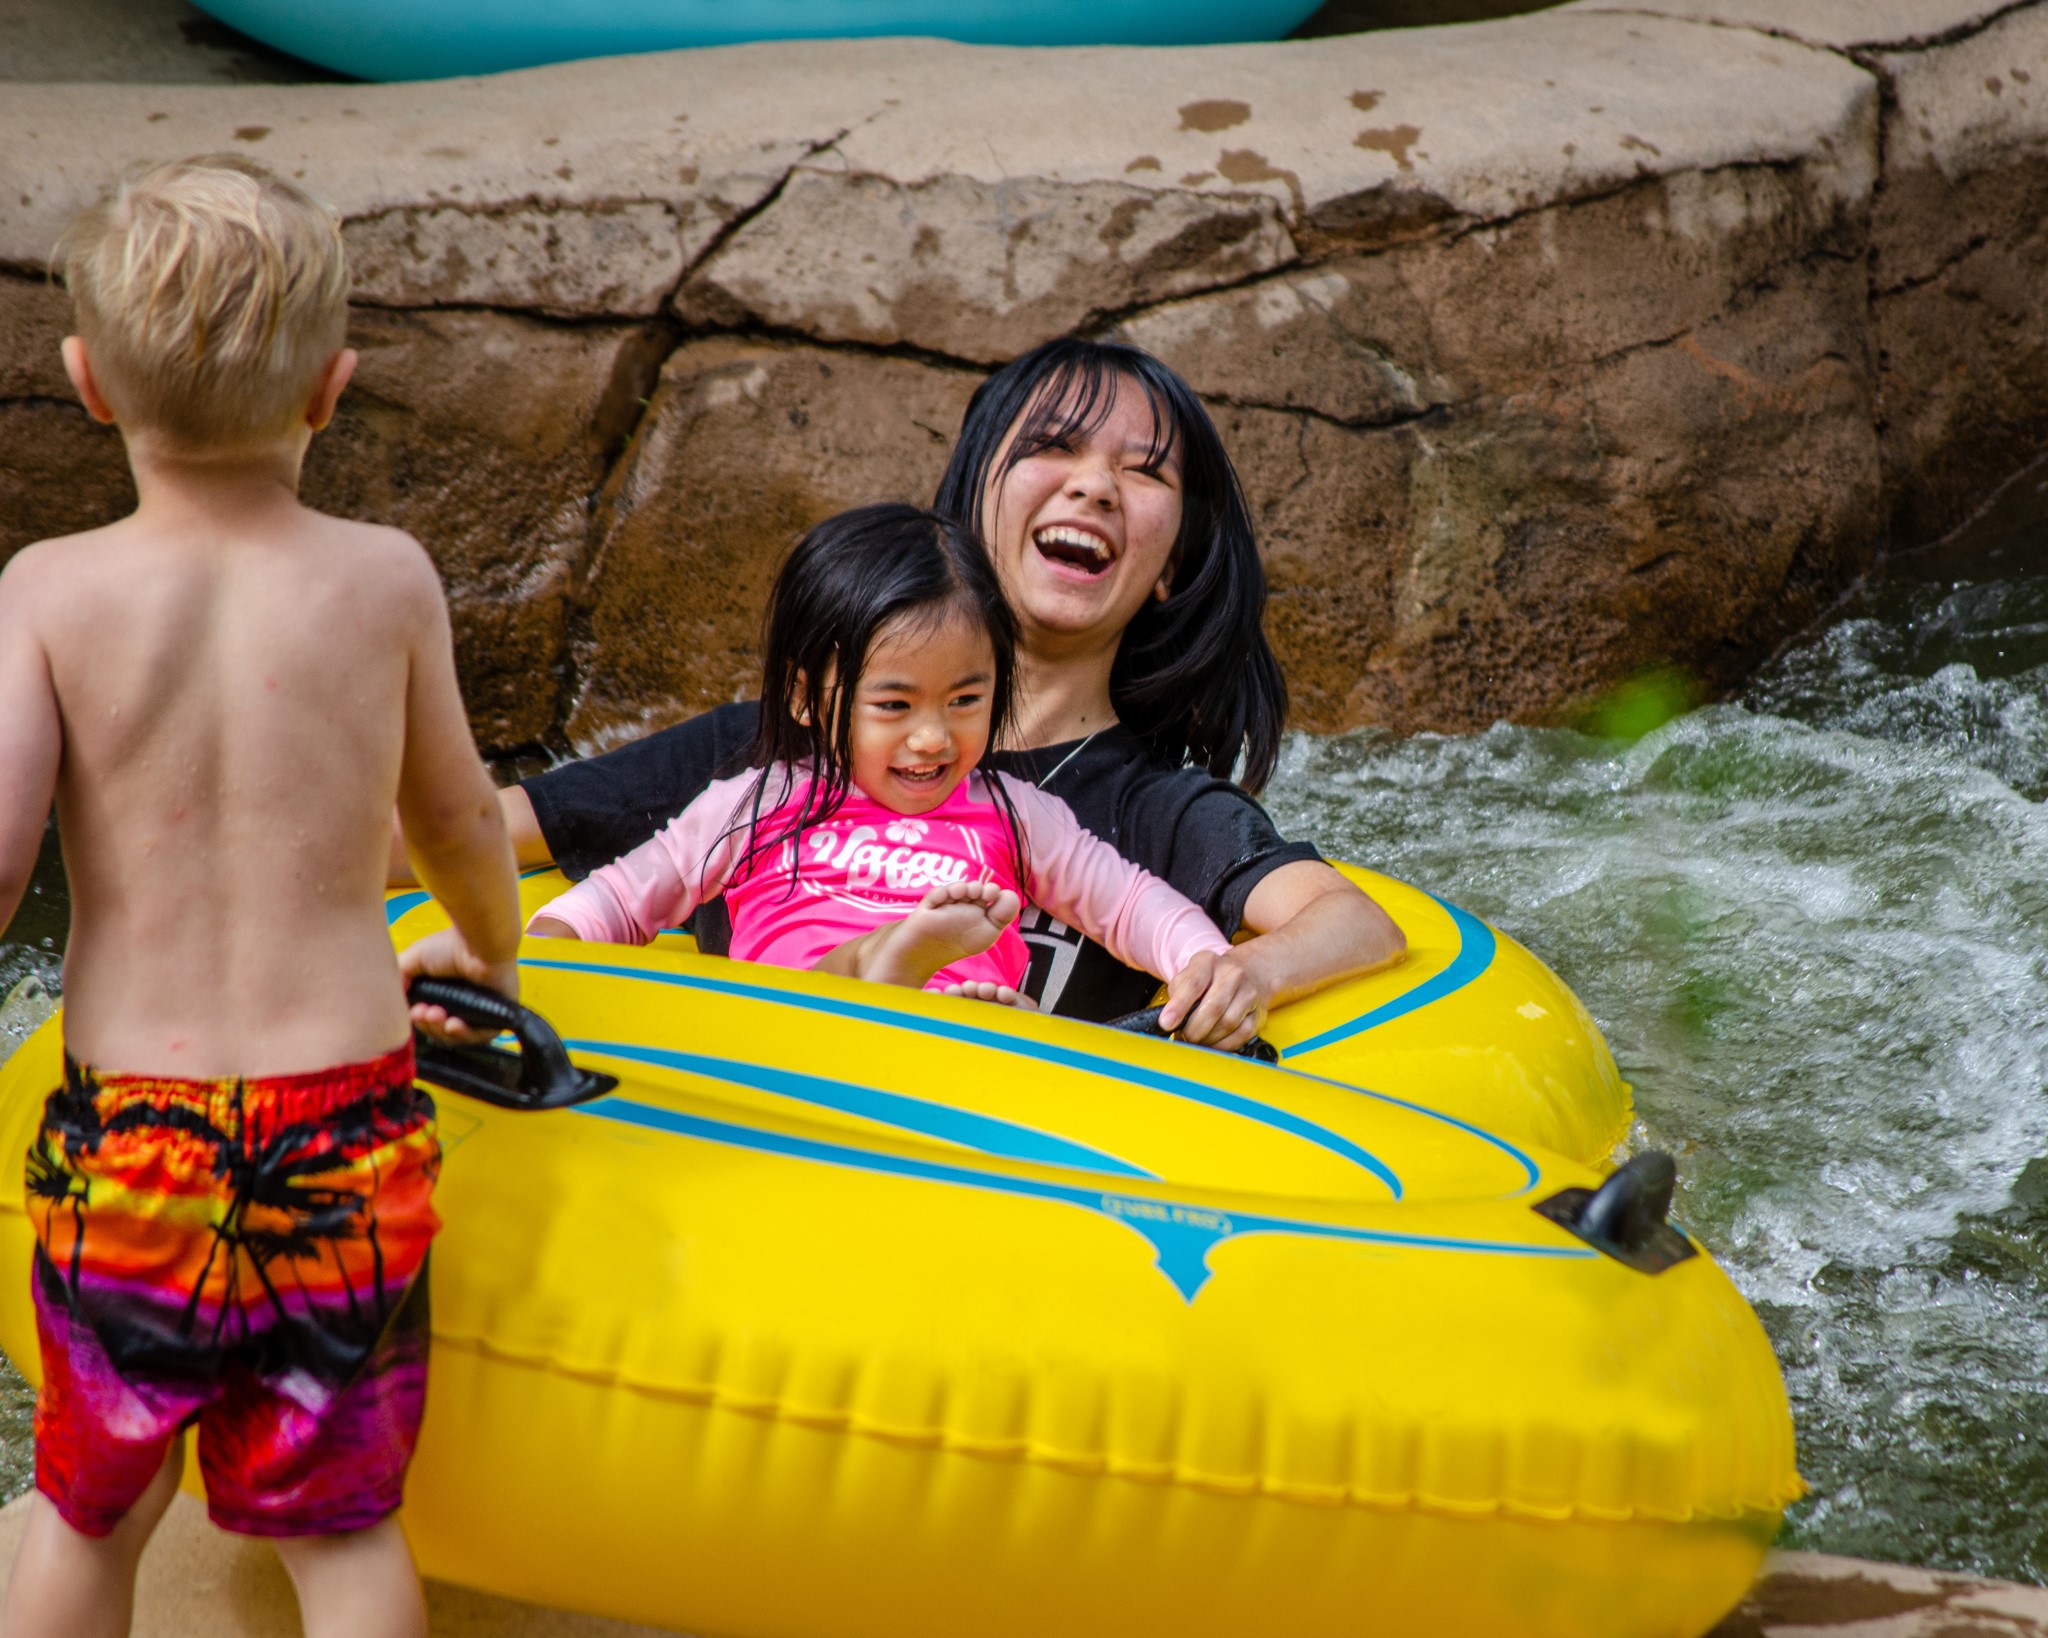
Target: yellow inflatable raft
{"x": 854, "y": 1311}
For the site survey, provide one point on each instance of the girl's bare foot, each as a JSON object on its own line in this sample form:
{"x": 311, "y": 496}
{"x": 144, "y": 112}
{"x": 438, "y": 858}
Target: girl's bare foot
{"x": 952, "y": 922}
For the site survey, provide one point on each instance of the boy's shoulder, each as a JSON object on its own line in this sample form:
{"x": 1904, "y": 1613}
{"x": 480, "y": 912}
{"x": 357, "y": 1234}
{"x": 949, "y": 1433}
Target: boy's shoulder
{"x": 378, "y": 544}
{"x": 376, "y": 560}
{"x": 41, "y": 568}
{"x": 42, "y": 558}
{"x": 372, "y": 555}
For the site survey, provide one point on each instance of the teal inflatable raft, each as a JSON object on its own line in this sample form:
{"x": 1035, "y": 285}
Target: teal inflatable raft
{"x": 434, "y": 39}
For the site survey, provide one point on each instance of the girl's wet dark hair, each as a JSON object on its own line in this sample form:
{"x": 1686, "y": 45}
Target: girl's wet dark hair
{"x": 841, "y": 584}
{"x": 1194, "y": 676}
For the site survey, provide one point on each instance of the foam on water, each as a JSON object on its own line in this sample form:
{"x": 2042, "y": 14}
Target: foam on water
{"x": 34, "y": 941}
{"x": 1814, "y": 925}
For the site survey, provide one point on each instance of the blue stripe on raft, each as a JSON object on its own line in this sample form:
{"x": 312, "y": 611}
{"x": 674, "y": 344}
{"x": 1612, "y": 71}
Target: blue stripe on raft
{"x": 962, "y": 1126}
{"x": 1182, "y": 1236}
{"x": 402, "y": 904}
{"x": 1043, "y": 1051}
{"x": 1476, "y": 948}
{"x": 1531, "y": 1172}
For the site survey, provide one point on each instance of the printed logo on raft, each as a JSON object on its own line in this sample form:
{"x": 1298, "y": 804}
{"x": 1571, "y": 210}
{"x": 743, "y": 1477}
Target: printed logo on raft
{"x": 1157, "y": 1211}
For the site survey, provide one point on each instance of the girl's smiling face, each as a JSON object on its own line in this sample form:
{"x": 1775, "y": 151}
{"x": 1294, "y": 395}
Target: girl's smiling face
{"x": 1083, "y": 531}
{"x": 921, "y": 709}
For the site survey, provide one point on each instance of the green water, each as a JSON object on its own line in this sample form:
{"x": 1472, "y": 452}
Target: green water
{"x": 1814, "y": 925}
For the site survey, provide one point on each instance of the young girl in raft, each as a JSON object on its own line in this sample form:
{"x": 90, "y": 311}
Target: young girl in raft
{"x": 864, "y": 841}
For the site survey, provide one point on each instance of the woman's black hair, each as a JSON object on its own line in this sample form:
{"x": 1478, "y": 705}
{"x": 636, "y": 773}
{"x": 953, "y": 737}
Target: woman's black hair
{"x": 841, "y": 584}
{"x": 1194, "y": 676}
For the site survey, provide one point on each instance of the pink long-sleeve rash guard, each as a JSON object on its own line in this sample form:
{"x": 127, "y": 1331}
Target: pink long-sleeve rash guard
{"x": 867, "y": 865}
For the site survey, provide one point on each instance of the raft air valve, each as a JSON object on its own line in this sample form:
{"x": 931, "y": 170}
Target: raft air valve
{"x": 1626, "y": 1216}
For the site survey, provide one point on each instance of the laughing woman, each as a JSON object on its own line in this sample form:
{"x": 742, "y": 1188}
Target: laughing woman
{"x": 1099, "y": 486}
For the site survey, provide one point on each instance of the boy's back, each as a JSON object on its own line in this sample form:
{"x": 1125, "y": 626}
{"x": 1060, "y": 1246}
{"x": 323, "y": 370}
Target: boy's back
{"x": 233, "y": 683}
{"x": 225, "y": 694}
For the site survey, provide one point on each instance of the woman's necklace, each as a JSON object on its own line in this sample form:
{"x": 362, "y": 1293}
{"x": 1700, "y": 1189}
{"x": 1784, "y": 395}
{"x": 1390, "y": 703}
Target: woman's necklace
{"x": 1063, "y": 761}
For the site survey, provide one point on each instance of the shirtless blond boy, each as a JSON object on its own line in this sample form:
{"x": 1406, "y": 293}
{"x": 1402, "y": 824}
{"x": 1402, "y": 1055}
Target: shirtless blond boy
{"x": 225, "y": 694}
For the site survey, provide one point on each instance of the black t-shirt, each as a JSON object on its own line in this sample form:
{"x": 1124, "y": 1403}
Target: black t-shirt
{"x": 1204, "y": 835}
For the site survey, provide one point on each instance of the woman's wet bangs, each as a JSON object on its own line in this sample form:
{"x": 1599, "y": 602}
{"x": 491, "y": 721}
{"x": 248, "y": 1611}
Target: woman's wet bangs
{"x": 1075, "y": 398}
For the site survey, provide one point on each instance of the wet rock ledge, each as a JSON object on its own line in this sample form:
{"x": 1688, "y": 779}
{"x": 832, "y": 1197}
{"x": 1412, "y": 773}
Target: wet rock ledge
{"x": 198, "y": 1582}
{"x": 1551, "y": 348}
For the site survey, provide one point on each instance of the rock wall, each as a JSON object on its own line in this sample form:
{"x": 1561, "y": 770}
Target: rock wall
{"x": 199, "y": 1582}
{"x": 1551, "y": 348}
{"x": 1958, "y": 303}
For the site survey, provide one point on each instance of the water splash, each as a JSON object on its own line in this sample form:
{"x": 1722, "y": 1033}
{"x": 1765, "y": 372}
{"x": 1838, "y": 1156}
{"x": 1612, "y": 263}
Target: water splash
{"x": 33, "y": 945}
{"x": 23, "y": 1012}
{"x": 1814, "y": 925}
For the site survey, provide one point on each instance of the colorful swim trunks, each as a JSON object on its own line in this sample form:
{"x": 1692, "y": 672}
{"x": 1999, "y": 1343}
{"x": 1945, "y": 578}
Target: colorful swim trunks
{"x": 249, "y": 1254}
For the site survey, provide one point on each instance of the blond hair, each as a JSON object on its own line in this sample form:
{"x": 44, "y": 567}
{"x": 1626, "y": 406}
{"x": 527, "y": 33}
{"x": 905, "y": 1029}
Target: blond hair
{"x": 210, "y": 294}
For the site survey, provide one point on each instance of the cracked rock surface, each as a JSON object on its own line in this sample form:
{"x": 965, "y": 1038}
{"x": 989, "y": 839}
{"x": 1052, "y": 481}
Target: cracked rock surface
{"x": 744, "y": 445}
{"x": 1961, "y": 280}
{"x": 1551, "y": 348}
{"x": 1833, "y": 1597}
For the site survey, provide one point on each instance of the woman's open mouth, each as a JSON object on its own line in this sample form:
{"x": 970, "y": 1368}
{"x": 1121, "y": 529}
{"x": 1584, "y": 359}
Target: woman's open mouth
{"x": 1076, "y": 549}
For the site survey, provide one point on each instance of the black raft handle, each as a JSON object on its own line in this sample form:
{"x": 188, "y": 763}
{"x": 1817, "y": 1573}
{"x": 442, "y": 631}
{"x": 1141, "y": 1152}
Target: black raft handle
{"x": 1145, "y": 1021}
{"x": 538, "y": 1076}
{"x": 1626, "y": 1217}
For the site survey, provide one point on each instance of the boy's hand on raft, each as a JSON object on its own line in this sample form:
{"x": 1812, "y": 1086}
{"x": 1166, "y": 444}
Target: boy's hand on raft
{"x": 1215, "y": 1001}
{"x": 447, "y": 955}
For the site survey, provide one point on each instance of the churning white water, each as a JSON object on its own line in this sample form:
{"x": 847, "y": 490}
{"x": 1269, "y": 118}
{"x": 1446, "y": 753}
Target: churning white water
{"x": 1813, "y": 923}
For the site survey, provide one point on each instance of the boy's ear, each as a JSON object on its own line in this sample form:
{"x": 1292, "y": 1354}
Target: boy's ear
{"x": 327, "y": 393}
{"x": 79, "y": 368}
